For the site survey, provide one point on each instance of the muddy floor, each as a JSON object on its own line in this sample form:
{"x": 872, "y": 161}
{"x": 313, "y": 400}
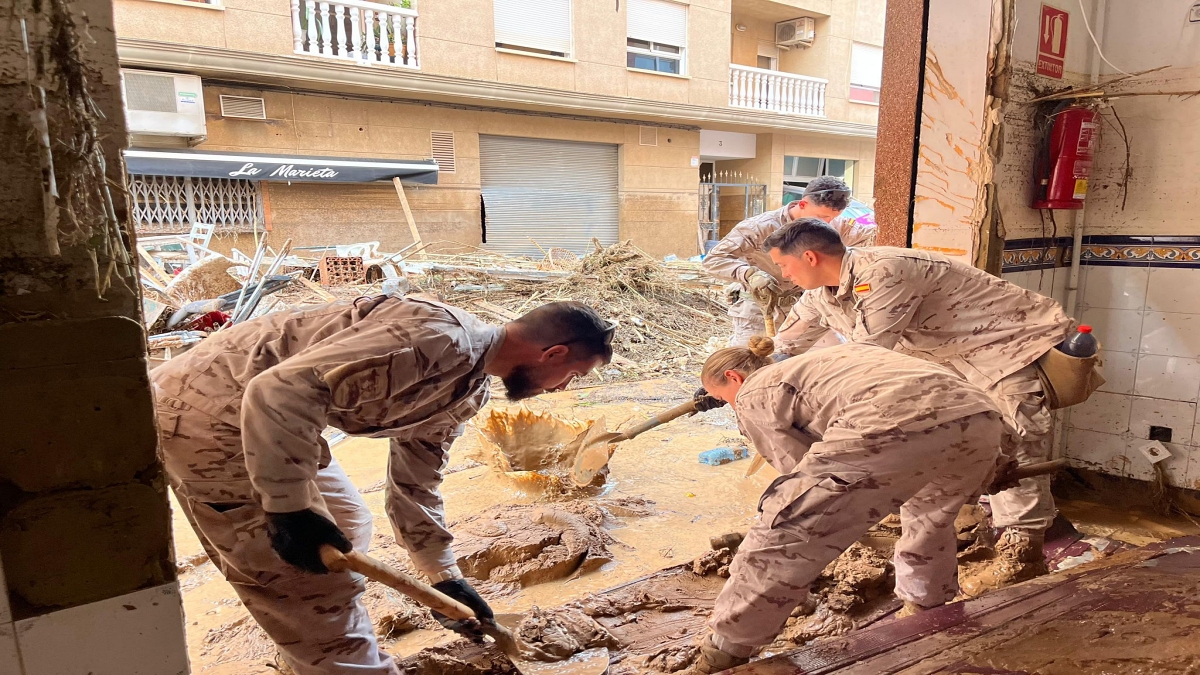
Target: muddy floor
{"x": 625, "y": 565}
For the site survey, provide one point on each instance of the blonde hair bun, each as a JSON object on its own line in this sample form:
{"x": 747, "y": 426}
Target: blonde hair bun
{"x": 761, "y": 345}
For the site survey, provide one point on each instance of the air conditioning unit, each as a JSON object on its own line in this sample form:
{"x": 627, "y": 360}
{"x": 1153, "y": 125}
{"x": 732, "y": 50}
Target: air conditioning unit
{"x": 795, "y": 32}
{"x": 163, "y": 104}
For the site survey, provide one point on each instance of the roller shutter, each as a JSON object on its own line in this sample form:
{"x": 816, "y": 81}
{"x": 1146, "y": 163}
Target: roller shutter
{"x": 560, "y": 194}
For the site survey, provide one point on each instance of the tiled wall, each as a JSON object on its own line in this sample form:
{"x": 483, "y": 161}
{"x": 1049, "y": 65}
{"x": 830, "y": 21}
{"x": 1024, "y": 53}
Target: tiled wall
{"x": 1142, "y": 297}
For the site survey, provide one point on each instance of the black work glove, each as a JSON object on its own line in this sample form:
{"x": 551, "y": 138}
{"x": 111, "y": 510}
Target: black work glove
{"x": 706, "y": 401}
{"x": 297, "y": 538}
{"x": 461, "y": 591}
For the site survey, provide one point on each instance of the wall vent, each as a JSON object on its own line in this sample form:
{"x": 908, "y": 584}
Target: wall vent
{"x": 647, "y": 135}
{"x": 443, "y": 150}
{"x": 245, "y": 107}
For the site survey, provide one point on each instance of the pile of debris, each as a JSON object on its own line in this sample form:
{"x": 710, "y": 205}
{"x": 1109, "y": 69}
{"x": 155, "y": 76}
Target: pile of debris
{"x": 670, "y": 313}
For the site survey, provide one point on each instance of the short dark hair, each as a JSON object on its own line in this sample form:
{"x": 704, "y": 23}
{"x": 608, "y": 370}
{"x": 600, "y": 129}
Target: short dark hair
{"x": 570, "y": 323}
{"x": 828, "y": 191}
{"x": 806, "y": 234}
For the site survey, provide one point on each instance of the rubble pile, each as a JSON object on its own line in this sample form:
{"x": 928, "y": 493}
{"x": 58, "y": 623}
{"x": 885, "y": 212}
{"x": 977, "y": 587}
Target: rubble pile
{"x": 670, "y": 314}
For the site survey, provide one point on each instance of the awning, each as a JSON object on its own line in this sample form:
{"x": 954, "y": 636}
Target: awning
{"x": 294, "y": 168}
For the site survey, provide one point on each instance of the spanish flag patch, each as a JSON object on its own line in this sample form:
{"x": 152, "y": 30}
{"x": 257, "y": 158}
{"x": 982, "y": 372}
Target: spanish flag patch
{"x": 862, "y": 288}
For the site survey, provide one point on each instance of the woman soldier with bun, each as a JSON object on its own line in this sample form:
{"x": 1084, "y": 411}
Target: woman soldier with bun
{"x": 857, "y": 432}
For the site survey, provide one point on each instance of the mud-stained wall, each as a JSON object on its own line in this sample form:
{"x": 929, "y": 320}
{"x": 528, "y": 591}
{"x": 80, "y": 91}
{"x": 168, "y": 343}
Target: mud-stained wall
{"x": 84, "y": 521}
{"x": 952, "y": 165}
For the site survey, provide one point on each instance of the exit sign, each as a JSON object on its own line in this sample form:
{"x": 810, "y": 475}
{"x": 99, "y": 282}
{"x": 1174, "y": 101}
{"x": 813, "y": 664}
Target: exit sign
{"x": 1052, "y": 42}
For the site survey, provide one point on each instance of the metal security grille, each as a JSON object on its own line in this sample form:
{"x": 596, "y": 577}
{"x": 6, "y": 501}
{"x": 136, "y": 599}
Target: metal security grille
{"x": 170, "y": 204}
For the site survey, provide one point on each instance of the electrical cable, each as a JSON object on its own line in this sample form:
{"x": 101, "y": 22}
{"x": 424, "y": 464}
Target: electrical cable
{"x": 1088, "y": 26}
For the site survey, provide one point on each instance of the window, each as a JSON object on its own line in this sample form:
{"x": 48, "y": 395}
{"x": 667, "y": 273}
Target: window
{"x": 657, "y": 37}
{"x": 866, "y": 73}
{"x": 798, "y": 171}
{"x": 535, "y": 26}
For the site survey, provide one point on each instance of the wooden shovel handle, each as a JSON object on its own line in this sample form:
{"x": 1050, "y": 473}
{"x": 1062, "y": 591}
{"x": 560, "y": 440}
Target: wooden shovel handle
{"x": 661, "y": 418}
{"x": 387, "y": 575}
{"x": 1038, "y": 469}
{"x": 420, "y": 591}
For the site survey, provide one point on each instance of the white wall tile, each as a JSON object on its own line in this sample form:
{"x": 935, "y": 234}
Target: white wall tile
{"x": 1171, "y": 334}
{"x": 1170, "y": 377}
{"x": 1119, "y": 330}
{"x": 1136, "y": 464}
{"x": 1096, "y": 451}
{"x": 1116, "y": 287}
{"x": 1177, "y": 465}
{"x": 139, "y": 633}
{"x": 1179, "y": 415}
{"x": 10, "y": 660}
{"x": 1173, "y": 290}
{"x": 1119, "y": 370}
{"x": 1191, "y": 479}
{"x": 1103, "y": 412}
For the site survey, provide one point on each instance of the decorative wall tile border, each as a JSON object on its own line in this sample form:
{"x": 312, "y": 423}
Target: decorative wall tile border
{"x": 1107, "y": 250}
{"x": 1036, "y": 254}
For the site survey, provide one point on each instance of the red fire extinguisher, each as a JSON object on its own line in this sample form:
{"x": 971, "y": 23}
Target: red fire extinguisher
{"x": 1065, "y": 162}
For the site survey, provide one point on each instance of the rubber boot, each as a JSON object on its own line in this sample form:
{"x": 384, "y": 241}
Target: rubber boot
{"x": 712, "y": 660}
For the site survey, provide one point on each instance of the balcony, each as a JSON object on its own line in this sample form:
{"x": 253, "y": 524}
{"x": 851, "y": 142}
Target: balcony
{"x": 776, "y": 91}
{"x": 352, "y": 30}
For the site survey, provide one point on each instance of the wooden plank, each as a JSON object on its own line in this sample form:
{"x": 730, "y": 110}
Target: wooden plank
{"x": 316, "y": 288}
{"x": 408, "y": 216}
{"x": 497, "y": 310}
{"x": 155, "y": 268}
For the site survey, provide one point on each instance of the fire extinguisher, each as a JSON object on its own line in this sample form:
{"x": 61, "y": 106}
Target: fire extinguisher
{"x": 1064, "y": 159}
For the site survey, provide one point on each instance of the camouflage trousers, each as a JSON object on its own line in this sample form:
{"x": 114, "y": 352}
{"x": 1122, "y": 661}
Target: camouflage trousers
{"x": 1027, "y": 438}
{"x": 837, "y": 492}
{"x": 316, "y": 620}
{"x": 747, "y": 318}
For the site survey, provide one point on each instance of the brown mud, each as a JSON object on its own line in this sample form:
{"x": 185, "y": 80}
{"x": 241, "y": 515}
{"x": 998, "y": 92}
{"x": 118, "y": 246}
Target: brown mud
{"x": 526, "y": 544}
{"x": 535, "y": 451}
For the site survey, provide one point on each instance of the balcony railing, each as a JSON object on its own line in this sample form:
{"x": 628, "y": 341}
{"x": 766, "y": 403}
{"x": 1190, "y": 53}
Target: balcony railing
{"x": 775, "y": 91}
{"x": 353, "y": 30}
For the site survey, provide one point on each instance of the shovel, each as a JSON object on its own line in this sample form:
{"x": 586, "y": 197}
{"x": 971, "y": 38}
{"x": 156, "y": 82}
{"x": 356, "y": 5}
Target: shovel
{"x": 377, "y": 570}
{"x": 594, "y": 452}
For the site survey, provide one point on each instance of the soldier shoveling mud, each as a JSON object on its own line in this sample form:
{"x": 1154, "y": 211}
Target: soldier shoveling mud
{"x": 846, "y": 427}
{"x": 241, "y": 418}
{"x": 993, "y": 333}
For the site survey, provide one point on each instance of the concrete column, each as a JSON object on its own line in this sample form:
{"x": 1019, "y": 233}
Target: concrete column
{"x": 85, "y": 552}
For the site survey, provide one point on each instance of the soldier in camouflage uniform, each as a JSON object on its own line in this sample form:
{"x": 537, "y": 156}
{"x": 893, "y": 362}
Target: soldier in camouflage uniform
{"x": 740, "y": 257}
{"x": 988, "y": 330}
{"x": 241, "y": 415}
{"x": 857, "y": 432}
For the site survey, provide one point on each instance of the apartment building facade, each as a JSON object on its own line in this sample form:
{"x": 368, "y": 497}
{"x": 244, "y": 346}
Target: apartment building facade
{"x": 515, "y": 124}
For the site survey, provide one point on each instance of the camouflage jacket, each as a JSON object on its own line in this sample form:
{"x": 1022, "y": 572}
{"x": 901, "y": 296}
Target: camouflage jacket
{"x": 407, "y": 369}
{"x": 930, "y": 306}
{"x": 845, "y": 393}
{"x": 741, "y": 251}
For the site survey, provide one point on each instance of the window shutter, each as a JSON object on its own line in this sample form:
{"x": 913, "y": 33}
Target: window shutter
{"x": 866, "y": 65}
{"x": 536, "y": 24}
{"x": 658, "y": 21}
